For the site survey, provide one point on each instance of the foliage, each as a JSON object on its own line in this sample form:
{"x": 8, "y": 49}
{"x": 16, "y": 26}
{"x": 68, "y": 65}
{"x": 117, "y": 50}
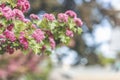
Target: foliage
{"x": 104, "y": 61}
{"x": 18, "y": 32}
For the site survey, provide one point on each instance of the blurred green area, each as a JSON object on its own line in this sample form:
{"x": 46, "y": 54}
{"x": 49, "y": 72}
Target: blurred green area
{"x": 105, "y": 61}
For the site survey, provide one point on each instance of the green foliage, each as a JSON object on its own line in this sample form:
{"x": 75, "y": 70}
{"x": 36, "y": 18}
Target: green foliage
{"x": 12, "y": 3}
{"x": 104, "y": 61}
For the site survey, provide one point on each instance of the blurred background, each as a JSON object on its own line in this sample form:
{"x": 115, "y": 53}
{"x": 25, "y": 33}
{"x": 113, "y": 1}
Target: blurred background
{"x": 94, "y": 55}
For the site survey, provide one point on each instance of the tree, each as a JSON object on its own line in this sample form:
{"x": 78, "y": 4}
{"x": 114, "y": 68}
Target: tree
{"x": 18, "y": 32}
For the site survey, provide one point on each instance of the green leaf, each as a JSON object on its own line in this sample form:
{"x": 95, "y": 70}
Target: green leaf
{"x": 25, "y": 52}
{"x": 35, "y": 46}
{"x": 61, "y": 24}
{"x": 38, "y": 23}
{"x": 36, "y": 50}
{"x": 71, "y": 25}
{"x": 15, "y": 44}
{"x": 2, "y": 50}
{"x": 62, "y": 38}
{"x": 67, "y": 40}
{"x": 75, "y": 30}
{"x": 43, "y": 24}
{"x": 52, "y": 25}
{"x": 48, "y": 52}
{"x": 79, "y": 30}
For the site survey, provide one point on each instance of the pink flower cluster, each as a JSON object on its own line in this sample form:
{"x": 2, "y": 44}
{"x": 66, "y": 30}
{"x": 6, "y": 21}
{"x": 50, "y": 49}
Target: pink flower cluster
{"x": 52, "y": 42}
{"x": 7, "y": 12}
{"x": 19, "y": 14}
{"x": 23, "y": 40}
{"x": 2, "y": 39}
{"x": 78, "y": 22}
{"x": 33, "y": 26}
{"x": 2, "y": 5}
{"x": 9, "y": 49}
{"x": 62, "y": 17}
{"x": 10, "y": 35}
{"x": 72, "y": 14}
{"x": 33, "y": 16}
{"x": 49, "y": 17}
{"x": 38, "y": 35}
{"x": 2, "y": 36}
{"x": 24, "y": 5}
{"x": 10, "y": 27}
{"x": 69, "y": 33}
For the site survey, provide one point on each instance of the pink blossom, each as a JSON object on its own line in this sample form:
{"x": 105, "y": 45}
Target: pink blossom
{"x": 22, "y": 33}
{"x": 7, "y": 12}
{"x": 69, "y": 33}
{"x": 3, "y": 73}
{"x": 24, "y": 5}
{"x": 2, "y": 5}
{"x": 32, "y": 66}
{"x": 19, "y": 14}
{"x": 10, "y": 35}
{"x": 9, "y": 49}
{"x": 23, "y": 40}
{"x": 78, "y": 22}
{"x": 33, "y": 63}
{"x": 10, "y": 27}
{"x": 49, "y": 17}
{"x": 33, "y": 26}
{"x": 26, "y": 20}
{"x": 0, "y": 9}
{"x": 2, "y": 38}
{"x": 33, "y": 16}
{"x": 38, "y": 35}
{"x": 12, "y": 67}
{"x": 49, "y": 33}
{"x": 71, "y": 13}
{"x": 62, "y": 17}
{"x": 52, "y": 42}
